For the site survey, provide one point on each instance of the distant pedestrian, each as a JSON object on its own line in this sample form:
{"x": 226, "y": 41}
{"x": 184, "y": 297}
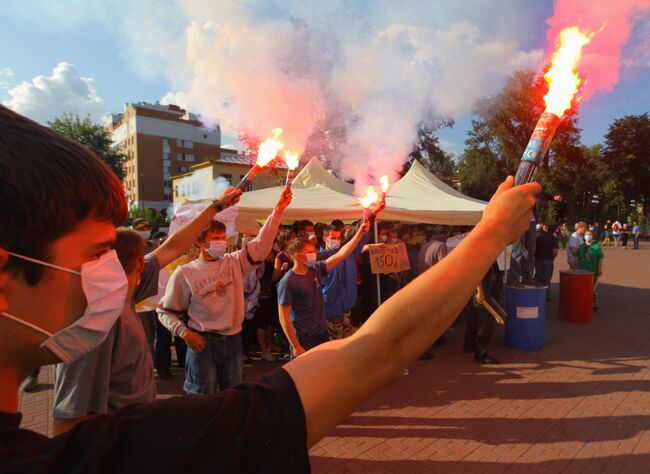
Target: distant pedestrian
{"x": 575, "y": 241}
{"x": 545, "y": 252}
{"x": 616, "y": 232}
{"x": 608, "y": 233}
{"x": 625, "y": 235}
{"x": 590, "y": 257}
{"x": 636, "y": 234}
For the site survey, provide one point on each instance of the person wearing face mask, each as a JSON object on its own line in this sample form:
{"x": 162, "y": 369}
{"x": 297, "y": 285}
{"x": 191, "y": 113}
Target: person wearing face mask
{"x": 300, "y": 292}
{"x": 590, "y": 257}
{"x": 62, "y": 289}
{"x": 340, "y": 284}
{"x": 211, "y": 291}
{"x": 119, "y": 371}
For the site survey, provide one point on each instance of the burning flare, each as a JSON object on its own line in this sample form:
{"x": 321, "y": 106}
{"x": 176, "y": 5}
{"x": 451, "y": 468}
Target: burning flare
{"x": 269, "y": 148}
{"x": 369, "y": 198}
{"x": 562, "y": 77}
{"x": 292, "y": 159}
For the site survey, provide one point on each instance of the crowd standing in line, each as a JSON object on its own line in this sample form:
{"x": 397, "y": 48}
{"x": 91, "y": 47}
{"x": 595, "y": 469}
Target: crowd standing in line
{"x": 71, "y": 281}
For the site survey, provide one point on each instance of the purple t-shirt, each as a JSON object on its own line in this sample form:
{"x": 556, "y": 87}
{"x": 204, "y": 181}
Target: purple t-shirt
{"x": 304, "y": 293}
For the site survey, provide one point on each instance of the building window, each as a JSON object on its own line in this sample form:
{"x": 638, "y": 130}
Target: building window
{"x": 176, "y": 191}
{"x": 184, "y": 143}
{"x": 182, "y": 169}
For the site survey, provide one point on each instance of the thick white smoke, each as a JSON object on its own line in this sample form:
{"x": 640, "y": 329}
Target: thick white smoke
{"x": 350, "y": 80}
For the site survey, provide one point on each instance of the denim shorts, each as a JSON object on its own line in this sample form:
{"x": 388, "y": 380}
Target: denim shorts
{"x": 217, "y": 367}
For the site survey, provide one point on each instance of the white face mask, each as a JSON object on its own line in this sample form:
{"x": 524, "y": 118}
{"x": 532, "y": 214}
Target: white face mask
{"x": 383, "y": 238}
{"x": 104, "y": 283}
{"x": 589, "y": 238}
{"x": 311, "y": 235}
{"x": 333, "y": 244}
{"x": 310, "y": 259}
{"x": 217, "y": 248}
{"x": 144, "y": 234}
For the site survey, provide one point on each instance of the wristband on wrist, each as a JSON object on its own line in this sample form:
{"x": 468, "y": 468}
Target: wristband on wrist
{"x": 217, "y": 205}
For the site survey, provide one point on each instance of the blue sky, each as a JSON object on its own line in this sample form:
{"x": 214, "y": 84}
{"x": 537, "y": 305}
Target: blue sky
{"x": 33, "y": 41}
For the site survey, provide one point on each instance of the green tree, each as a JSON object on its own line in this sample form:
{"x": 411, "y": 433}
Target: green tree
{"x": 625, "y": 164}
{"x": 428, "y": 152}
{"x": 93, "y": 136}
{"x": 501, "y": 131}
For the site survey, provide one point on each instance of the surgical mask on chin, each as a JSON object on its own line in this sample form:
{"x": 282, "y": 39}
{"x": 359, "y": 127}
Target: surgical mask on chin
{"x": 217, "y": 248}
{"x": 144, "y": 234}
{"x": 333, "y": 244}
{"x": 311, "y": 259}
{"x": 105, "y": 286}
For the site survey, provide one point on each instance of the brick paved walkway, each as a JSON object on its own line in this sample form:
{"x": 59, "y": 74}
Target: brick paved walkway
{"x": 581, "y": 405}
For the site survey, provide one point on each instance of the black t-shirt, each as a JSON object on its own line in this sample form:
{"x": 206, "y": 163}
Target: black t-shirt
{"x": 253, "y": 427}
{"x": 546, "y": 243}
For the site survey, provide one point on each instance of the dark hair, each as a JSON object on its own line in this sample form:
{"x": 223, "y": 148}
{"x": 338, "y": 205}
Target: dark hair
{"x": 297, "y": 245}
{"x": 48, "y": 185}
{"x": 337, "y": 225}
{"x": 129, "y": 246}
{"x": 213, "y": 226}
{"x": 302, "y": 225}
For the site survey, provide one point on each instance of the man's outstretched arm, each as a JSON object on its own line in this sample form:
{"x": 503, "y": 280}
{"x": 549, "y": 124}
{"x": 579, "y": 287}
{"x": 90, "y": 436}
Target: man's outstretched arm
{"x": 402, "y": 328}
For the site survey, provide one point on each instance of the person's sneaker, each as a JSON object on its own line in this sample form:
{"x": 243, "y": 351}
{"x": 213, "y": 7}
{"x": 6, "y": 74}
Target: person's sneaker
{"x": 268, "y": 357}
{"x": 441, "y": 341}
{"x": 165, "y": 375}
{"x": 29, "y": 384}
{"x": 248, "y": 362}
{"x": 426, "y": 356}
{"x": 486, "y": 358}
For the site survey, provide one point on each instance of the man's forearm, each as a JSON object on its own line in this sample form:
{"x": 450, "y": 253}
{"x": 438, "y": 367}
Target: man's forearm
{"x": 399, "y": 331}
{"x": 287, "y": 326}
{"x": 262, "y": 244}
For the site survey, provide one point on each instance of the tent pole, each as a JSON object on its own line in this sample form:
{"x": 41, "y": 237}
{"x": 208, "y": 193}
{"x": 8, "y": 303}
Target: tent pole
{"x": 378, "y": 279}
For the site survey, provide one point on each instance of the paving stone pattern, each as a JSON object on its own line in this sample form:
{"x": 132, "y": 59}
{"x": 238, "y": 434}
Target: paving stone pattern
{"x": 580, "y": 405}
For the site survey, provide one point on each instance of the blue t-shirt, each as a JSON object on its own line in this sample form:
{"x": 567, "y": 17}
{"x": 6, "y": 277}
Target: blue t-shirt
{"x": 305, "y": 296}
{"x": 340, "y": 286}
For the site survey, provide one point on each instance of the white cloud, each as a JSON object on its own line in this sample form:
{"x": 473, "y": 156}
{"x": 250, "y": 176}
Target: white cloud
{"x": 46, "y": 97}
{"x": 6, "y": 73}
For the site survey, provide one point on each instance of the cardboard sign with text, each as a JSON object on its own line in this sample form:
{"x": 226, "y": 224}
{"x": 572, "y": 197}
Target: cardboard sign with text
{"x": 389, "y": 258}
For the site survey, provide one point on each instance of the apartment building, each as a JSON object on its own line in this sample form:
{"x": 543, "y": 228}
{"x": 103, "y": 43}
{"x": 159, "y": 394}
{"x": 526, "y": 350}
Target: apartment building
{"x": 205, "y": 180}
{"x": 159, "y": 141}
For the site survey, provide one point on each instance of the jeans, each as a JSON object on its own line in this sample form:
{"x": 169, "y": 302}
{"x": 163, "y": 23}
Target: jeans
{"x": 309, "y": 341}
{"x": 217, "y": 367}
{"x": 544, "y": 273}
{"x": 480, "y": 327}
{"x": 636, "y": 241}
{"x": 522, "y": 262}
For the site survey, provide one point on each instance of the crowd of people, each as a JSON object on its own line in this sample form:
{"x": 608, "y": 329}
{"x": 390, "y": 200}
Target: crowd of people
{"x": 78, "y": 290}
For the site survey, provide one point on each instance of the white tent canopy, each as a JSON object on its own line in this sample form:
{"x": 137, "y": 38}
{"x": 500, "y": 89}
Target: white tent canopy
{"x": 317, "y": 195}
{"x": 421, "y": 197}
{"x": 418, "y": 197}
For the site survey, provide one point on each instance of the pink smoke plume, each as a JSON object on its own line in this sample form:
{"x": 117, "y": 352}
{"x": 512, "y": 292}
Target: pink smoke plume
{"x": 612, "y": 23}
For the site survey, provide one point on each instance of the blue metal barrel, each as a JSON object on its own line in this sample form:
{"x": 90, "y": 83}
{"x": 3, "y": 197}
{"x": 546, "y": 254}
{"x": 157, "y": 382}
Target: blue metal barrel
{"x": 526, "y": 321}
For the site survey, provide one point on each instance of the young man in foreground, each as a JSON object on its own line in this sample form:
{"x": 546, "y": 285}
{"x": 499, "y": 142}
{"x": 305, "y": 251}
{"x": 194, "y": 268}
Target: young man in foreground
{"x": 263, "y": 426}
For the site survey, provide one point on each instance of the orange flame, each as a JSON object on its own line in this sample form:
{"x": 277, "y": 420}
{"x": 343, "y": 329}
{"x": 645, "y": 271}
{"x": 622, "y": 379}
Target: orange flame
{"x": 292, "y": 159}
{"x": 369, "y": 198}
{"x": 562, "y": 77}
{"x": 269, "y": 148}
{"x": 383, "y": 181}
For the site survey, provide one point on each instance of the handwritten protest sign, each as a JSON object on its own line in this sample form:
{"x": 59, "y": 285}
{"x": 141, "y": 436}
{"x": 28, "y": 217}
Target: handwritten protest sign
{"x": 389, "y": 258}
